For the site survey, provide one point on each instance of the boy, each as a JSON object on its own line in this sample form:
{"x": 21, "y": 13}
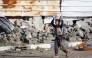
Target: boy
{"x": 58, "y": 35}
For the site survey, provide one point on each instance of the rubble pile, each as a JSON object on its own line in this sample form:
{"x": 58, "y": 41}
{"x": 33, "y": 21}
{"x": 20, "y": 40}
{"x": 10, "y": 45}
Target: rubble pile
{"x": 81, "y": 30}
{"x": 26, "y": 32}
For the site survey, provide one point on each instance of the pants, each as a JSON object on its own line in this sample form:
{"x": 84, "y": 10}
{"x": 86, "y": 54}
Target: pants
{"x": 59, "y": 43}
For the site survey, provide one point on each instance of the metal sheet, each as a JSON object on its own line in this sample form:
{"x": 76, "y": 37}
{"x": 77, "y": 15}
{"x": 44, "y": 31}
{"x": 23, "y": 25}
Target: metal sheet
{"x": 78, "y": 0}
{"x": 5, "y": 25}
{"x": 30, "y": 7}
{"x": 76, "y": 14}
{"x": 80, "y": 9}
{"x": 76, "y": 4}
{"x": 76, "y": 8}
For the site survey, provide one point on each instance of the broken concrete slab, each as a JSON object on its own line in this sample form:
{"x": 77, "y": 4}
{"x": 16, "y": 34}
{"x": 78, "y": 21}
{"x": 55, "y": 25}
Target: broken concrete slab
{"x": 72, "y": 39}
{"x": 85, "y": 26}
{"x": 18, "y": 22}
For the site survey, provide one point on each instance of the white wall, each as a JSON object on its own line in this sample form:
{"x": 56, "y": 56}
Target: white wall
{"x": 76, "y": 8}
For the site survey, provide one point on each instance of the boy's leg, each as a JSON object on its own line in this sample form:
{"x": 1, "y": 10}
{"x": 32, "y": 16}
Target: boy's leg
{"x": 56, "y": 47}
{"x": 62, "y": 47}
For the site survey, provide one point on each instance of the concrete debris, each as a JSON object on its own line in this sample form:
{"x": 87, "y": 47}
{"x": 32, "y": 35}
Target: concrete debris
{"x": 38, "y": 32}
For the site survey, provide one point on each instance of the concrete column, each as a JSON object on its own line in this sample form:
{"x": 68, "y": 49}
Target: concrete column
{"x": 38, "y": 23}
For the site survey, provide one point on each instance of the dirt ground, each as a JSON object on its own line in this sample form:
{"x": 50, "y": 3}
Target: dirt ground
{"x": 47, "y": 54}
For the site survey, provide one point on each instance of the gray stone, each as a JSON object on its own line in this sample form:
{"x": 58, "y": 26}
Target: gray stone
{"x": 48, "y": 40}
{"x": 17, "y": 22}
{"x": 78, "y": 24}
{"x": 80, "y": 33}
{"x": 85, "y": 26}
{"x": 70, "y": 22}
{"x": 88, "y": 19}
{"x": 90, "y": 29}
{"x": 65, "y": 22}
{"x": 39, "y": 34}
{"x": 50, "y": 36}
{"x": 30, "y": 28}
{"x": 34, "y": 34}
{"x": 72, "y": 39}
{"x": 24, "y": 23}
{"x": 21, "y": 20}
{"x": 34, "y": 41}
{"x": 44, "y": 37}
{"x": 40, "y": 37}
{"x": 29, "y": 36}
{"x": 78, "y": 39}
{"x": 5, "y": 39}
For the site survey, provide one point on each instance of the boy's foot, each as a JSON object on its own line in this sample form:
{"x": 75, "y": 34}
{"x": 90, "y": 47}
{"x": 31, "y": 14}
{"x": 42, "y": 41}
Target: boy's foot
{"x": 56, "y": 57}
{"x": 67, "y": 53}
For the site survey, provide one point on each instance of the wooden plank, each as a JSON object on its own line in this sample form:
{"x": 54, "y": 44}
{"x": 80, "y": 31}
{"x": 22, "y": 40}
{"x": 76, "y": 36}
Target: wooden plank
{"x": 76, "y": 9}
{"x": 76, "y": 14}
{"x": 76, "y": 4}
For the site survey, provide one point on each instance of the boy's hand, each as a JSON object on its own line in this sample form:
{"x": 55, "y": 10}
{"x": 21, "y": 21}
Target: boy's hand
{"x": 61, "y": 17}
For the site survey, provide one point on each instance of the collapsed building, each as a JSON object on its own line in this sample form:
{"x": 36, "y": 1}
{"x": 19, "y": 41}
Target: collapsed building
{"x": 27, "y": 32}
{"x": 32, "y": 18}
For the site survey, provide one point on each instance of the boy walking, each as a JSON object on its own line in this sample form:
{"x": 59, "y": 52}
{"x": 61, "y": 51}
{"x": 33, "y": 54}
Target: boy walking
{"x": 58, "y": 35}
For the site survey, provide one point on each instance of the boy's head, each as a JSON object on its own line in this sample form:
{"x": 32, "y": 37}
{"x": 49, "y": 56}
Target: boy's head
{"x": 57, "y": 18}
{"x": 57, "y": 22}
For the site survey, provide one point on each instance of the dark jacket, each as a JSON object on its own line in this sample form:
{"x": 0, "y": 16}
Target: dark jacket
{"x": 57, "y": 26}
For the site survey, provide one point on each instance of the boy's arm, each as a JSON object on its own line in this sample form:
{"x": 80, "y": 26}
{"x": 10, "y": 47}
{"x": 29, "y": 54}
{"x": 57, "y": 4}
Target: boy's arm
{"x": 52, "y": 23}
{"x": 62, "y": 22}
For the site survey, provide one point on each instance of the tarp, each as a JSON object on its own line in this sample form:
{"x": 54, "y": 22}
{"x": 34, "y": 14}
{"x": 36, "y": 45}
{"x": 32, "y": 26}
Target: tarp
{"x": 5, "y": 25}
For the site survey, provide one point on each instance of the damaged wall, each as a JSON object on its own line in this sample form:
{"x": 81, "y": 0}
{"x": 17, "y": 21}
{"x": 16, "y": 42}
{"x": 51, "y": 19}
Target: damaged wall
{"x": 29, "y": 7}
{"x": 34, "y": 34}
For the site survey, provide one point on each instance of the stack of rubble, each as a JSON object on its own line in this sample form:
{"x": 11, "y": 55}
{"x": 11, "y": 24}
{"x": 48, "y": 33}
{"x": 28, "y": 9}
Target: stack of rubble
{"x": 29, "y": 32}
{"x": 81, "y": 30}
{"x": 26, "y": 32}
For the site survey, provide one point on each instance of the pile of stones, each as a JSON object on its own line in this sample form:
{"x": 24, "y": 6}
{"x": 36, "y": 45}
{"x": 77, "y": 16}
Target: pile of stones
{"x": 26, "y": 32}
{"x": 79, "y": 30}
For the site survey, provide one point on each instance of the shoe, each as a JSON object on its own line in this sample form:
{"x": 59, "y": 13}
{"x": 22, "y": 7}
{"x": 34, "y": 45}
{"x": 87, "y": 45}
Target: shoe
{"x": 67, "y": 54}
{"x": 56, "y": 57}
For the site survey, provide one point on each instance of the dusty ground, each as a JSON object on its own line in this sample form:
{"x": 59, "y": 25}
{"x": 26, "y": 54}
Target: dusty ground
{"x": 47, "y": 54}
